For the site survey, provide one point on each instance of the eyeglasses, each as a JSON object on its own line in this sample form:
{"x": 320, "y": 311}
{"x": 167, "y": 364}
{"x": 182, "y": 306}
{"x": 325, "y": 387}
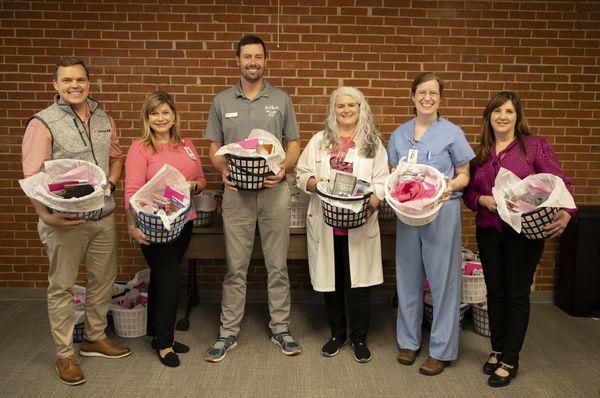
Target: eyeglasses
{"x": 424, "y": 93}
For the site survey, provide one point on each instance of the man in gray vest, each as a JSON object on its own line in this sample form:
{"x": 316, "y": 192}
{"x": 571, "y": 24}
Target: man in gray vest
{"x": 254, "y": 103}
{"x": 75, "y": 127}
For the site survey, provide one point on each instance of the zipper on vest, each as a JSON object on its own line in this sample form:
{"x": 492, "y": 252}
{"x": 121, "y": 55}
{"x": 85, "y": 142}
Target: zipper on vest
{"x": 89, "y": 137}
{"x": 79, "y": 131}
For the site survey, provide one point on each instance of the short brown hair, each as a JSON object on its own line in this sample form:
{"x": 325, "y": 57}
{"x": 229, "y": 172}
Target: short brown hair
{"x": 422, "y": 78}
{"x": 69, "y": 61}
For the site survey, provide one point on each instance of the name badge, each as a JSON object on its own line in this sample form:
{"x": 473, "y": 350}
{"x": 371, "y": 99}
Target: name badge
{"x": 412, "y": 156}
{"x": 229, "y": 115}
{"x": 350, "y": 155}
{"x": 190, "y": 153}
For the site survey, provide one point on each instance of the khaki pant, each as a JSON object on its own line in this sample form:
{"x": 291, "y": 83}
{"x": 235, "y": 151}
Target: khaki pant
{"x": 241, "y": 211}
{"x": 93, "y": 242}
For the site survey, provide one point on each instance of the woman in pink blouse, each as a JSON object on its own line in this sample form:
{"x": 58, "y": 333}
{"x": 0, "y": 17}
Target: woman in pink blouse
{"x": 161, "y": 143}
{"x": 509, "y": 259}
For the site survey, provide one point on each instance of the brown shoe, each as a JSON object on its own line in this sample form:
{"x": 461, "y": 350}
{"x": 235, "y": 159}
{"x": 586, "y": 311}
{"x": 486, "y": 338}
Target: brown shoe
{"x": 103, "y": 348}
{"x": 407, "y": 357}
{"x": 69, "y": 371}
{"x": 432, "y": 366}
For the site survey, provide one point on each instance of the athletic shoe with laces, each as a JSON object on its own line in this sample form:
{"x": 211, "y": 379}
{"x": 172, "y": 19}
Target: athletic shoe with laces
{"x": 289, "y": 345}
{"x": 361, "y": 352}
{"x": 219, "y": 349}
{"x": 332, "y": 347}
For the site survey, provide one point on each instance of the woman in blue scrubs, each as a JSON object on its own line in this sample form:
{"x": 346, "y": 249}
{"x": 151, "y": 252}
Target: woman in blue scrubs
{"x": 431, "y": 251}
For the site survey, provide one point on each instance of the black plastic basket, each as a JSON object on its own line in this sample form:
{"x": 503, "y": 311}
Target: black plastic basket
{"x": 339, "y": 217}
{"x": 152, "y": 226}
{"x": 248, "y": 173}
{"x": 533, "y": 223}
{"x": 428, "y": 314}
{"x": 385, "y": 211}
{"x": 83, "y": 215}
{"x": 204, "y": 218}
{"x": 78, "y": 333}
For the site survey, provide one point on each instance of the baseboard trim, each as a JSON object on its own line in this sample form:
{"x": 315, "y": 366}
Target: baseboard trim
{"x": 253, "y": 296}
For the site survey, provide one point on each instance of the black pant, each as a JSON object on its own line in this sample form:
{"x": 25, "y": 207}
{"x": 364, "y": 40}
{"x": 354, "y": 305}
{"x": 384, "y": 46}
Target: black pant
{"x": 163, "y": 291}
{"x": 357, "y": 298}
{"x": 509, "y": 261}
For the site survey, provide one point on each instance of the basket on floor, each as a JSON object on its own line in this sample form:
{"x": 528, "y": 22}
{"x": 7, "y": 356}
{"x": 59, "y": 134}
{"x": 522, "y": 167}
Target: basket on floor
{"x": 79, "y": 329}
{"x": 78, "y": 332}
{"x": 481, "y": 321}
{"x": 385, "y": 211}
{"x": 533, "y": 223}
{"x": 247, "y": 172}
{"x": 153, "y": 227}
{"x": 405, "y": 213}
{"x": 129, "y": 322}
{"x": 339, "y": 217}
{"x": 298, "y": 215}
{"x": 428, "y": 313}
{"x": 473, "y": 289}
{"x": 204, "y": 218}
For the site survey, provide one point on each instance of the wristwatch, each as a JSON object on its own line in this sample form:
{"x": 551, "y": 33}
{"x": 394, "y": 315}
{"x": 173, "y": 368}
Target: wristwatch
{"x": 112, "y": 186}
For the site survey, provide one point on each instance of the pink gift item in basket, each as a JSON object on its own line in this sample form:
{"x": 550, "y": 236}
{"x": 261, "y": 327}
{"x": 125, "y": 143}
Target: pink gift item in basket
{"x": 420, "y": 211}
{"x": 471, "y": 266}
{"x": 473, "y": 288}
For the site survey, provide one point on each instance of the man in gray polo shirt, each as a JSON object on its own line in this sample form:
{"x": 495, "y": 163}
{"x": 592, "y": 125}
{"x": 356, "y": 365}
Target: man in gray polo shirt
{"x": 254, "y": 103}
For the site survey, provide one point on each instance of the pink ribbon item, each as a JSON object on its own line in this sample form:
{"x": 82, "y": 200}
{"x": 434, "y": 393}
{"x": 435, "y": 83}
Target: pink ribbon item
{"x": 413, "y": 190}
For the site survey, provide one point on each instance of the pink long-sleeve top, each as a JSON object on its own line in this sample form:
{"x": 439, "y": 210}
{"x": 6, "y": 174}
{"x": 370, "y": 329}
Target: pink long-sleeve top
{"x": 542, "y": 159}
{"x": 142, "y": 164}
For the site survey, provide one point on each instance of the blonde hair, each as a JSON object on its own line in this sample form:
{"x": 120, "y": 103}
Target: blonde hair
{"x": 152, "y": 102}
{"x": 367, "y": 134}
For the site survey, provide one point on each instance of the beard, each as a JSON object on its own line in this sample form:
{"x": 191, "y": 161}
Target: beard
{"x": 252, "y": 78}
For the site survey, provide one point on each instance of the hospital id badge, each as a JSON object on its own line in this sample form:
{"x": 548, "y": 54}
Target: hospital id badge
{"x": 350, "y": 155}
{"x": 190, "y": 153}
{"x": 412, "y": 156}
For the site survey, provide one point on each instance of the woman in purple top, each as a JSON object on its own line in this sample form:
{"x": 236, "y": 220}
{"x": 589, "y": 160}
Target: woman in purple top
{"x": 509, "y": 259}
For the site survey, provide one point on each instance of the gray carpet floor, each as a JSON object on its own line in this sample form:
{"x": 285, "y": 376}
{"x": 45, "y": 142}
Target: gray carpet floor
{"x": 561, "y": 358}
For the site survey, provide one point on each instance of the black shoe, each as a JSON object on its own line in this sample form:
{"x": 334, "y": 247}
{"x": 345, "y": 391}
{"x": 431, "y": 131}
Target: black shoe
{"x": 178, "y": 347}
{"x": 361, "y": 352}
{"x": 489, "y": 367}
{"x": 171, "y": 359}
{"x": 332, "y": 347}
{"x": 500, "y": 381}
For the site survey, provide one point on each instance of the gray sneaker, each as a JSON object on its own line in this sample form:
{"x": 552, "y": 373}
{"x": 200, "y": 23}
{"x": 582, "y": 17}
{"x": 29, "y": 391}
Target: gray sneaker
{"x": 217, "y": 352}
{"x": 289, "y": 345}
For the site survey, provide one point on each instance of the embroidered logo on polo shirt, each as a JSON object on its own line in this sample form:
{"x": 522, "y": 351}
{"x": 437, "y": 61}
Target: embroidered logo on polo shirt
{"x": 271, "y": 110}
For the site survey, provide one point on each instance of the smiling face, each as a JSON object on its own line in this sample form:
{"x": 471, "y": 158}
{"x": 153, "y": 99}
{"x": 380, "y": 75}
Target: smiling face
{"x": 72, "y": 84}
{"x": 503, "y": 120}
{"x": 252, "y": 62}
{"x": 427, "y": 98}
{"x": 160, "y": 120}
{"x": 346, "y": 111}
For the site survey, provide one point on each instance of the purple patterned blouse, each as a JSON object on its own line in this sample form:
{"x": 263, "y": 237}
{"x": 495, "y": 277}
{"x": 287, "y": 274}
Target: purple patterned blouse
{"x": 542, "y": 160}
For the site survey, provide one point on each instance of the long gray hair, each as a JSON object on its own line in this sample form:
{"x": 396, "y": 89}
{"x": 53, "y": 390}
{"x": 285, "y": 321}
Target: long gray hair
{"x": 367, "y": 134}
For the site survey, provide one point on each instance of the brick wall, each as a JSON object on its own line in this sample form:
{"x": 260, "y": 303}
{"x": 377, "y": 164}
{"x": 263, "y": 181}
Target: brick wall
{"x": 548, "y": 51}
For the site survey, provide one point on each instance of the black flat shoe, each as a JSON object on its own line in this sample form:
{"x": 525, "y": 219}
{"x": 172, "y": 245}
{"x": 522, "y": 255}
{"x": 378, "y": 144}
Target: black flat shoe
{"x": 496, "y": 380}
{"x": 171, "y": 359}
{"x": 178, "y": 347}
{"x": 489, "y": 367}
{"x": 332, "y": 347}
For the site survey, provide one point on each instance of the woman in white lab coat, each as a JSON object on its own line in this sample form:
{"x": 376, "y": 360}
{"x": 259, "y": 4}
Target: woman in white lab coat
{"x": 345, "y": 263}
